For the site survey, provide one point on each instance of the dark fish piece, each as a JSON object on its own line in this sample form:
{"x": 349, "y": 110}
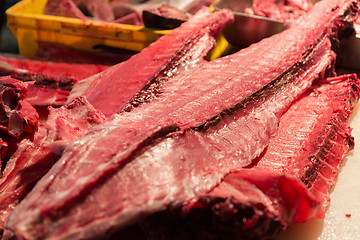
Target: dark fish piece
{"x": 247, "y": 204}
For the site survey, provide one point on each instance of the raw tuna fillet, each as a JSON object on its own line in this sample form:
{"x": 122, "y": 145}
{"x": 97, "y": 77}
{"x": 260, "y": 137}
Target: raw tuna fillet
{"x": 244, "y": 95}
{"x": 52, "y": 81}
{"x": 45, "y": 96}
{"x": 37, "y": 157}
{"x": 110, "y": 91}
{"x": 19, "y": 119}
{"x": 48, "y": 91}
{"x": 78, "y": 120}
{"x": 27, "y": 165}
{"x": 320, "y": 138}
{"x": 33, "y": 159}
{"x": 74, "y": 119}
{"x": 173, "y": 169}
{"x": 30, "y": 69}
{"x": 312, "y": 140}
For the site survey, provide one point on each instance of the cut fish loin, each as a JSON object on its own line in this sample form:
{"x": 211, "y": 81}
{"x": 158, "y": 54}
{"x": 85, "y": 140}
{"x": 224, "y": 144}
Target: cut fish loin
{"x": 185, "y": 140}
{"x": 291, "y": 181}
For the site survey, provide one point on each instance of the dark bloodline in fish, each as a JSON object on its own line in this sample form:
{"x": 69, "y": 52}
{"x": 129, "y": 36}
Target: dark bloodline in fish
{"x": 321, "y": 139}
{"x": 49, "y": 71}
{"x": 88, "y": 114}
{"x": 153, "y": 88}
{"x": 335, "y": 130}
{"x": 259, "y": 203}
{"x": 316, "y": 176}
{"x": 191, "y": 41}
{"x": 247, "y": 204}
{"x": 285, "y": 78}
{"x": 319, "y": 160}
{"x": 110, "y": 171}
{"x": 64, "y": 83}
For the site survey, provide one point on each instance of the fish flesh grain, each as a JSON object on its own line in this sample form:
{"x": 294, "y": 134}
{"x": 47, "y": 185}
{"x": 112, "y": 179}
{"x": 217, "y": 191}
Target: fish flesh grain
{"x": 289, "y": 184}
{"x": 111, "y": 91}
{"x": 90, "y": 165}
{"x": 321, "y": 137}
{"x": 73, "y": 120}
{"x": 185, "y": 140}
{"x": 194, "y": 40}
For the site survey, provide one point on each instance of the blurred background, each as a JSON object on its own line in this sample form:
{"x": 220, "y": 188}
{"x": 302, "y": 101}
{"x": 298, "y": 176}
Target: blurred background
{"x": 8, "y": 42}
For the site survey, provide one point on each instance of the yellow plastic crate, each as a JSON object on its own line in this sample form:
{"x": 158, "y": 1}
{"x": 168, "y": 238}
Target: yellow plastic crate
{"x": 30, "y": 26}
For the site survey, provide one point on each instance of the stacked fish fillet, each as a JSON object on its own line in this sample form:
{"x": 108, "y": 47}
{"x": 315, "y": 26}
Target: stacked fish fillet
{"x": 179, "y": 147}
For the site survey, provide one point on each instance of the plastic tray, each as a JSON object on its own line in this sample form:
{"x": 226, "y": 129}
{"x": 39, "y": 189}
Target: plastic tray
{"x": 30, "y": 26}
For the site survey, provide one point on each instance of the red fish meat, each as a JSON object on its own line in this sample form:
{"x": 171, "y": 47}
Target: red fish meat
{"x": 119, "y": 149}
